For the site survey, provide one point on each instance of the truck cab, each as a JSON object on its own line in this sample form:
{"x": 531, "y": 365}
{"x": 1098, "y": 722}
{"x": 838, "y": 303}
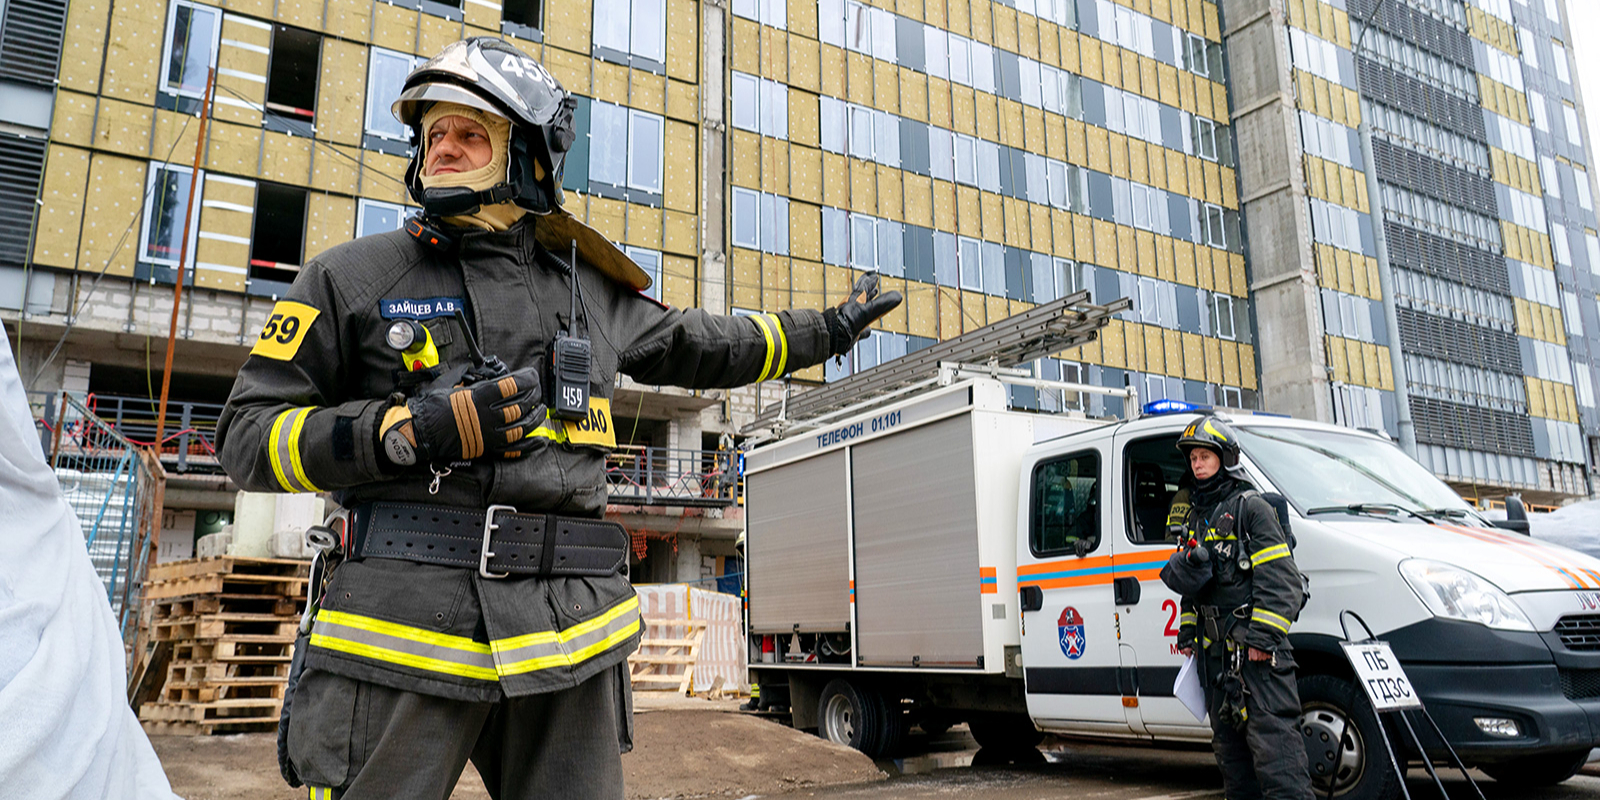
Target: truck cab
{"x": 943, "y": 559}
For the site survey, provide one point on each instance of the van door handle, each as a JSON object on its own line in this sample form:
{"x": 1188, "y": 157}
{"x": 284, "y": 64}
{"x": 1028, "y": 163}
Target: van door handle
{"x": 1030, "y": 598}
{"x": 1125, "y": 591}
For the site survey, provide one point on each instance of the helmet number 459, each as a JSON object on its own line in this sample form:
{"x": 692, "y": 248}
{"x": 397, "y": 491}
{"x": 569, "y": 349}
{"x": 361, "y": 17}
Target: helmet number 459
{"x": 524, "y": 67}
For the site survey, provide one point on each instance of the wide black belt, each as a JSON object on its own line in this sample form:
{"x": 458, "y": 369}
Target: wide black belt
{"x": 498, "y": 541}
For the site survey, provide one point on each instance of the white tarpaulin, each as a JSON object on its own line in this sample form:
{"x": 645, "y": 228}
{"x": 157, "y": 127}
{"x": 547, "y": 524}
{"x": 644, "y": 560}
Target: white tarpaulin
{"x": 65, "y": 727}
{"x": 721, "y": 652}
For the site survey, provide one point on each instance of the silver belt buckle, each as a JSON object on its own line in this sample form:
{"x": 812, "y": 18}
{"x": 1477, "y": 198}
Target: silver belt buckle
{"x": 484, "y": 553}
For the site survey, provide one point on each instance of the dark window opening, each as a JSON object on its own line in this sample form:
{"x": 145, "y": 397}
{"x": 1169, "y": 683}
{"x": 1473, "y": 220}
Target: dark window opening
{"x": 1155, "y": 466}
{"x": 523, "y": 19}
{"x": 449, "y": 9}
{"x": 1066, "y": 505}
{"x": 112, "y": 381}
{"x": 279, "y": 236}
{"x": 292, "y": 80}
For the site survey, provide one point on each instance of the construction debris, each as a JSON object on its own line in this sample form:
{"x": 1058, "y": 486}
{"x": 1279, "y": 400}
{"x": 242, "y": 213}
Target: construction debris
{"x": 230, "y": 623}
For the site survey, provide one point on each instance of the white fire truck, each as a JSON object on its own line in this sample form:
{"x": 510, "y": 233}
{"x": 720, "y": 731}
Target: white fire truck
{"x": 919, "y": 553}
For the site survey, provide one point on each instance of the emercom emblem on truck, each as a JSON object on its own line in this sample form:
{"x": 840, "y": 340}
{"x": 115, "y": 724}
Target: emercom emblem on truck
{"x": 1070, "y": 627}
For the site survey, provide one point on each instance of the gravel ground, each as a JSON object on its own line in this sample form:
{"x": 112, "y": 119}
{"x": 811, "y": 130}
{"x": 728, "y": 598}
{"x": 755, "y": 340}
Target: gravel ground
{"x": 684, "y": 748}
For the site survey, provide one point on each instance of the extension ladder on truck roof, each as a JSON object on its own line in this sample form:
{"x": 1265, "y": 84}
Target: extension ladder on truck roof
{"x": 1038, "y": 332}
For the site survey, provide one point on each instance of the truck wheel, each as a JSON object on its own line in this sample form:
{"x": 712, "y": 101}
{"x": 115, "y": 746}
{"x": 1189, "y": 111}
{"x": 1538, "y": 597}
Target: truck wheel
{"x": 855, "y": 716}
{"x": 1344, "y": 745}
{"x": 1004, "y": 732}
{"x": 1545, "y": 770}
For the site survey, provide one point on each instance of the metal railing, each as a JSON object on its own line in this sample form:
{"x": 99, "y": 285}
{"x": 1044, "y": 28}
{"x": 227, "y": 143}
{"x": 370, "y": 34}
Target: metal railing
{"x": 652, "y": 476}
{"x": 190, "y": 441}
{"x": 115, "y": 487}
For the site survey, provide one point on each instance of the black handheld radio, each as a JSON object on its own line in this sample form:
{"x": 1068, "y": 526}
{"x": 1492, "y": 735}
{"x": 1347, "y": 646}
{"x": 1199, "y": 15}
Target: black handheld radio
{"x": 570, "y": 359}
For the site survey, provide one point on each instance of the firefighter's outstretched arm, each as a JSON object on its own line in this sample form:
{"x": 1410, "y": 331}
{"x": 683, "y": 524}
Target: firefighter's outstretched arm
{"x": 698, "y": 350}
{"x": 288, "y": 426}
{"x": 1276, "y": 582}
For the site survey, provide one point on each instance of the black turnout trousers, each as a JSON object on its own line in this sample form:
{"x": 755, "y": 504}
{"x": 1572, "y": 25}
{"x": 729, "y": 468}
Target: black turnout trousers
{"x": 1266, "y": 759}
{"x": 354, "y": 740}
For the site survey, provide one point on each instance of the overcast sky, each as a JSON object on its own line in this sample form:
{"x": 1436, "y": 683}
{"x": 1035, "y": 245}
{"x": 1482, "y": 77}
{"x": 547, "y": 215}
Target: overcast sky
{"x": 1585, "y": 46}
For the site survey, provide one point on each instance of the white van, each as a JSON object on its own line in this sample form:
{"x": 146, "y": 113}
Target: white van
{"x": 945, "y": 559}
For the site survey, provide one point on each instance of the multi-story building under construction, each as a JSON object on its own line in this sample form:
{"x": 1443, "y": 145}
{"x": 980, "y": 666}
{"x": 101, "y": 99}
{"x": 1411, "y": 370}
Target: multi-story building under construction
{"x": 983, "y": 156}
{"x": 1484, "y": 222}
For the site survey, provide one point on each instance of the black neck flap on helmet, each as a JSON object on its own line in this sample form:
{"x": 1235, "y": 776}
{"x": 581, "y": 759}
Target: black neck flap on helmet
{"x": 491, "y": 75}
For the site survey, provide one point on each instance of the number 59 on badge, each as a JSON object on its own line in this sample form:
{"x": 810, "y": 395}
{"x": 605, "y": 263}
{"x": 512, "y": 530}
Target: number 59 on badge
{"x": 286, "y": 328}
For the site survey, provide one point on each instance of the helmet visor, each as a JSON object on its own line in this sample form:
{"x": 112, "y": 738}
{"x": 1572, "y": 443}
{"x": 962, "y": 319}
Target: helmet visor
{"x": 416, "y": 101}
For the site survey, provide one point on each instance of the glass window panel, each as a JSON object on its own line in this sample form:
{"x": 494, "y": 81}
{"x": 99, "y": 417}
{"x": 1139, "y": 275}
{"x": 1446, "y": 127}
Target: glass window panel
{"x": 375, "y": 217}
{"x": 1044, "y": 278}
{"x": 960, "y": 60}
{"x": 650, "y": 262}
{"x": 940, "y": 154}
{"x": 191, "y": 46}
{"x": 863, "y": 241}
{"x": 1028, "y": 71}
{"x": 860, "y": 131}
{"x": 830, "y": 22}
{"x": 982, "y": 67}
{"x": 831, "y": 112}
{"x": 936, "y": 51}
{"x": 886, "y": 135}
{"x": 971, "y": 265}
{"x": 386, "y": 74}
{"x": 746, "y": 219}
{"x": 988, "y": 166}
{"x": 891, "y": 243}
{"x": 644, "y": 157}
{"x": 780, "y": 226}
{"x": 608, "y": 144}
{"x": 163, "y": 231}
{"x": 994, "y": 268}
{"x": 966, "y": 159}
{"x": 650, "y": 30}
{"x": 745, "y": 90}
{"x": 944, "y": 258}
{"x": 611, "y": 24}
{"x": 835, "y": 236}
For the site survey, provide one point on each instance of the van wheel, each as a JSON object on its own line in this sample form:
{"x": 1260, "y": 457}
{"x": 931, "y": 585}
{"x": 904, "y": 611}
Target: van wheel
{"x": 1344, "y": 745}
{"x": 858, "y": 717}
{"x": 1004, "y": 732}
{"x": 1545, "y": 770}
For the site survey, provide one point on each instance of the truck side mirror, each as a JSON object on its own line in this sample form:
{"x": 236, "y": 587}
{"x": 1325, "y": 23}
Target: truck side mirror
{"x": 1516, "y": 517}
{"x": 1030, "y": 598}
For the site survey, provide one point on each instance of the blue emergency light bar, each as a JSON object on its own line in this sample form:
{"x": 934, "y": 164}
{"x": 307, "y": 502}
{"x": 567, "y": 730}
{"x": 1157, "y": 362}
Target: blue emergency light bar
{"x": 1169, "y": 406}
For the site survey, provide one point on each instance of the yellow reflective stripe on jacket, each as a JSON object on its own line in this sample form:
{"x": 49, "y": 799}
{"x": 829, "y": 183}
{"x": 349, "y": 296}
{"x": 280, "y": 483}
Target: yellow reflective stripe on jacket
{"x": 1186, "y": 619}
{"x": 321, "y": 792}
{"x": 573, "y": 646}
{"x": 1272, "y": 553}
{"x": 777, "y": 346}
{"x": 1266, "y": 617}
{"x": 402, "y": 645}
{"x": 283, "y": 449}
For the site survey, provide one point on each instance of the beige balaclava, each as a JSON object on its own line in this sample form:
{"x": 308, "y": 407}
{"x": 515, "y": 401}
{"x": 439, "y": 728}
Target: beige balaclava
{"x": 499, "y": 216}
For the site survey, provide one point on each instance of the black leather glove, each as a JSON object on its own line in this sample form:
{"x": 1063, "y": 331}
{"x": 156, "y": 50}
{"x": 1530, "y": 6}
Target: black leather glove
{"x": 849, "y": 320}
{"x": 460, "y": 423}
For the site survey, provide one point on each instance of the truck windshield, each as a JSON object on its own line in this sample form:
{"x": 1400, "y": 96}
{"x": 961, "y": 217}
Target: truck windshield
{"x": 1320, "y": 469}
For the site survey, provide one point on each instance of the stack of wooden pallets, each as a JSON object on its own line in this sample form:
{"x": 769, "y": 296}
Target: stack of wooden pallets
{"x": 667, "y": 655}
{"x": 230, "y": 625}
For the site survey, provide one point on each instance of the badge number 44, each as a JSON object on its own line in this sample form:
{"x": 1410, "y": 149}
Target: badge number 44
{"x": 1380, "y": 675}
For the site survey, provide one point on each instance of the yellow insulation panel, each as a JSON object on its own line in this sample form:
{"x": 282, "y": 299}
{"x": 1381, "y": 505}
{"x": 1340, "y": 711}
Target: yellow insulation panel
{"x": 395, "y": 27}
{"x": 113, "y": 204}
{"x": 81, "y": 46}
{"x": 678, "y": 281}
{"x": 62, "y": 196}
{"x": 133, "y": 52}
{"x": 567, "y": 25}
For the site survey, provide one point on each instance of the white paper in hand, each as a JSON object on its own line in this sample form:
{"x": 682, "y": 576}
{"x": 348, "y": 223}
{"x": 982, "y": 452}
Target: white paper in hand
{"x": 1188, "y": 690}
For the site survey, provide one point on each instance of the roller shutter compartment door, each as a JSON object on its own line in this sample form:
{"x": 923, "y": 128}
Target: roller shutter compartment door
{"x": 798, "y": 547}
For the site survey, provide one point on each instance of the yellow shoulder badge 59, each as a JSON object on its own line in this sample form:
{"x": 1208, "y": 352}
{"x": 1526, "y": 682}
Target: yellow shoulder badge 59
{"x": 285, "y": 329}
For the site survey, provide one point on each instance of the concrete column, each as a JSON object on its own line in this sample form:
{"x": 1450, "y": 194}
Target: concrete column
{"x": 687, "y": 564}
{"x": 1272, "y": 191}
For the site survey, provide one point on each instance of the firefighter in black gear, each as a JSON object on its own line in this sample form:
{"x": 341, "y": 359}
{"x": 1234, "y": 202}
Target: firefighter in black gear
{"x": 477, "y": 606}
{"x": 1238, "y": 616}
